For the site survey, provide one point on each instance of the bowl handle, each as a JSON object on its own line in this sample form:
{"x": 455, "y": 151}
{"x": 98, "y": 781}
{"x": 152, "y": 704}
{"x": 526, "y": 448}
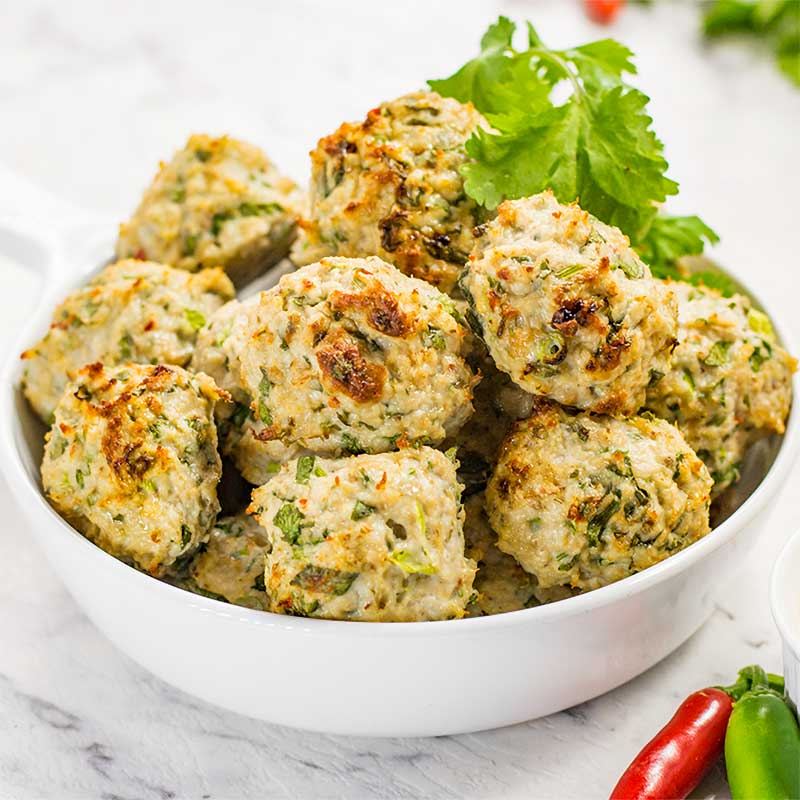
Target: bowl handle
{"x": 23, "y": 200}
{"x": 46, "y": 234}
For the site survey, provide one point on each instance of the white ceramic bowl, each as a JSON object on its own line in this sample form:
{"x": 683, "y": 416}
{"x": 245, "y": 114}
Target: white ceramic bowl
{"x": 785, "y": 601}
{"x": 379, "y": 679}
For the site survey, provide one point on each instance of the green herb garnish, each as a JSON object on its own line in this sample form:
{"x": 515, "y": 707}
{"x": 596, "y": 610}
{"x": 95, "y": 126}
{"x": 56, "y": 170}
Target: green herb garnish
{"x": 259, "y": 209}
{"x": 361, "y": 510}
{"x": 351, "y": 445}
{"x": 194, "y": 318}
{"x": 718, "y": 355}
{"x": 775, "y": 22}
{"x": 289, "y": 520}
{"x": 434, "y": 338}
{"x": 218, "y": 220}
{"x": 759, "y": 323}
{"x": 58, "y": 446}
{"x": 305, "y": 467}
{"x": 324, "y": 580}
{"x": 406, "y": 562}
{"x": 575, "y": 146}
{"x": 669, "y": 239}
{"x": 264, "y": 388}
{"x": 126, "y": 346}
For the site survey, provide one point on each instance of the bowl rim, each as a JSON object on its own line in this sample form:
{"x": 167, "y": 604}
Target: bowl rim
{"x": 784, "y": 591}
{"x": 34, "y": 502}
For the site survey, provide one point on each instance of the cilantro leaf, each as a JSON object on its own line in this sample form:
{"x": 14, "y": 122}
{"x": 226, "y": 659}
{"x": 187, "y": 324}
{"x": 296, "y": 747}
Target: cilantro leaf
{"x": 718, "y": 355}
{"x": 577, "y": 149}
{"x": 788, "y": 55}
{"x": 728, "y": 16}
{"x": 289, "y": 520}
{"x": 324, "y": 580}
{"x": 745, "y": 16}
{"x": 624, "y": 161}
{"x": 523, "y": 162}
{"x": 597, "y": 145}
{"x": 670, "y": 238}
{"x": 726, "y": 286}
{"x": 361, "y": 510}
{"x": 776, "y": 22}
{"x": 602, "y": 63}
{"x": 476, "y": 80}
{"x": 305, "y": 467}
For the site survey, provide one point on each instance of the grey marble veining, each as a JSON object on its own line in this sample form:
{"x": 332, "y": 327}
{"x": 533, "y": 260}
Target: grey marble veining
{"x": 92, "y": 95}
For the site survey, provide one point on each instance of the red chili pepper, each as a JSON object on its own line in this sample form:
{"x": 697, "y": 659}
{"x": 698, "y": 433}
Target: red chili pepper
{"x": 603, "y": 11}
{"x": 680, "y": 754}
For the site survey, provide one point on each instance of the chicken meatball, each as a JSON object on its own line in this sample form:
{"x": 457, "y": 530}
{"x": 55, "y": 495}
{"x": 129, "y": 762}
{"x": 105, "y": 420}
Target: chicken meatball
{"x": 730, "y": 381}
{"x": 132, "y": 311}
{"x": 241, "y": 432}
{"x": 219, "y": 202}
{"x": 390, "y": 186}
{"x": 230, "y": 565}
{"x": 500, "y": 585}
{"x": 582, "y": 500}
{"x": 214, "y": 353}
{"x": 567, "y": 308}
{"x": 370, "y": 538}
{"x": 352, "y": 356}
{"x": 131, "y": 461}
{"x": 498, "y": 402}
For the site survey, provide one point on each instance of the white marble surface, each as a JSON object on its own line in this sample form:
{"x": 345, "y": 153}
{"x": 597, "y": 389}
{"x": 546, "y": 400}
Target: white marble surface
{"x": 92, "y": 94}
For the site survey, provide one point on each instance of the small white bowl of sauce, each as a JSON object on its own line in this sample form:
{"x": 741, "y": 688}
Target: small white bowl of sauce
{"x": 785, "y": 601}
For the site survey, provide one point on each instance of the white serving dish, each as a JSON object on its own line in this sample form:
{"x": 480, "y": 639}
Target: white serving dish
{"x": 785, "y": 601}
{"x": 379, "y": 679}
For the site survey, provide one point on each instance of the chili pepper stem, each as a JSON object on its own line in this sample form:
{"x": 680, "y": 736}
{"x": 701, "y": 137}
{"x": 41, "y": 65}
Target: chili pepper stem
{"x": 745, "y": 682}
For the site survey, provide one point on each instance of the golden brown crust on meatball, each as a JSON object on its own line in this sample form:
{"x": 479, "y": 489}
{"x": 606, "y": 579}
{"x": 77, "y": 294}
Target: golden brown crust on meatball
{"x": 567, "y": 308}
{"x": 390, "y": 186}
{"x": 582, "y": 500}
{"x": 136, "y": 311}
{"x": 218, "y": 202}
{"x": 131, "y": 461}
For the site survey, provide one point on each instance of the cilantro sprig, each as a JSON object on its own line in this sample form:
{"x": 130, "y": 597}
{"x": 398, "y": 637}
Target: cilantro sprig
{"x": 567, "y": 120}
{"x": 776, "y": 22}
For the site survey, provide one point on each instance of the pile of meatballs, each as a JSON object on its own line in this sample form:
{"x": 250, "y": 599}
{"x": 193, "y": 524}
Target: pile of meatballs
{"x": 442, "y": 411}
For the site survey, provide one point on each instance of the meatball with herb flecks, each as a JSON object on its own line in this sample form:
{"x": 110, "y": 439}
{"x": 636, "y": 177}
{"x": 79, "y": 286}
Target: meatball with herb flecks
{"x": 391, "y": 186}
{"x": 567, "y": 308}
{"x": 352, "y": 356}
{"x": 375, "y": 538}
{"x": 241, "y": 432}
{"x": 498, "y": 404}
{"x": 583, "y": 500}
{"x": 218, "y": 202}
{"x": 730, "y": 382}
{"x": 500, "y": 585}
{"x": 131, "y": 461}
{"x": 230, "y": 565}
{"x": 136, "y": 311}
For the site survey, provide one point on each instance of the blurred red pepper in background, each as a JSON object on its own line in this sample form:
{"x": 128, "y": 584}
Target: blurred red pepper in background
{"x": 603, "y": 11}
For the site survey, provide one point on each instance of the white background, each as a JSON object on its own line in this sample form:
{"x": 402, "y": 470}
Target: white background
{"x": 92, "y": 95}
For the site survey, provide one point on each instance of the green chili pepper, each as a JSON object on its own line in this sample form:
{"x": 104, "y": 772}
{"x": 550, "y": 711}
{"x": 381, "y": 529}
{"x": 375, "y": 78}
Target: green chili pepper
{"x": 762, "y": 743}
